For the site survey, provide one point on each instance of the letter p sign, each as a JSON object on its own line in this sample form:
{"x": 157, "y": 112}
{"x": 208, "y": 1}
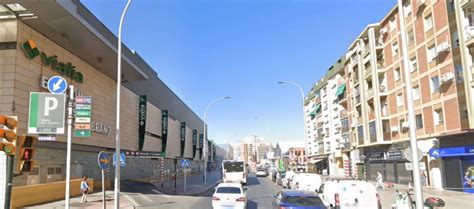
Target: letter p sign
{"x": 51, "y": 103}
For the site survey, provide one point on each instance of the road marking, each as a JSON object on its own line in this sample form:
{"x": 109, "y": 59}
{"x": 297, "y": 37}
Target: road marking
{"x": 134, "y": 202}
{"x": 160, "y": 193}
{"x": 146, "y": 198}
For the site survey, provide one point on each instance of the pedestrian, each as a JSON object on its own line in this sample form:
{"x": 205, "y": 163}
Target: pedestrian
{"x": 84, "y": 189}
{"x": 379, "y": 181}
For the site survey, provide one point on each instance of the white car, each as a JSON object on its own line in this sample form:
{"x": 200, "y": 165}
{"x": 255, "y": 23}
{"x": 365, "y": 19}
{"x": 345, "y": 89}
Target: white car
{"x": 306, "y": 181}
{"x": 286, "y": 182}
{"x": 349, "y": 194}
{"x": 261, "y": 172}
{"x": 229, "y": 195}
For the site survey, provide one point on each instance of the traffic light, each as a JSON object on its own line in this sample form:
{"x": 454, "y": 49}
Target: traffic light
{"x": 8, "y": 126}
{"x": 25, "y": 162}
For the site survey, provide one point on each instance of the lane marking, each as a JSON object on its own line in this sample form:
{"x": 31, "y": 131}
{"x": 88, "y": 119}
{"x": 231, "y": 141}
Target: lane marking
{"x": 146, "y": 198}
{"x": 134, "y": 202}
{"x": 160, "y": 193}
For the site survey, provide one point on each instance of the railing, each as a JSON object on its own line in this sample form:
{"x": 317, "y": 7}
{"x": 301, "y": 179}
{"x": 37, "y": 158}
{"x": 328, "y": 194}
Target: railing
{"x": 343, "y": 113}
{"x": 371, "y": 115}
{"x": 344, "y": 129}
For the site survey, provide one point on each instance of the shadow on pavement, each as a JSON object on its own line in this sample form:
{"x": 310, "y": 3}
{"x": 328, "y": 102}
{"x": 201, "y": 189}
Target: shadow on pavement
{"x": 251, "y": 205}
{"x": 251, "y": 181}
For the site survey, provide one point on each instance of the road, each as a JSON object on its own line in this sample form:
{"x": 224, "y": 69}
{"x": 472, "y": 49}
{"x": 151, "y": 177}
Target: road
{"x": 145, "y": 196}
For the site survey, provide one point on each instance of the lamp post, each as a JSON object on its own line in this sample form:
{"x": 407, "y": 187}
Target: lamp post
{"x": 117, "y": 122}
{"x": 205, "y": 135}
{"x": 411, "y": 111}
{"x": 304, "y": 119}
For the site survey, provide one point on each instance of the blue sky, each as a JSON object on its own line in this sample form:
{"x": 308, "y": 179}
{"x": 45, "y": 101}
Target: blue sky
{"x": 204, "y": 49}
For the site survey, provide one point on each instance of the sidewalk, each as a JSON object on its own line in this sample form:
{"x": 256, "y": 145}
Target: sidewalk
{"x": 194, "y": 184}
{"x": 94, "y": 201}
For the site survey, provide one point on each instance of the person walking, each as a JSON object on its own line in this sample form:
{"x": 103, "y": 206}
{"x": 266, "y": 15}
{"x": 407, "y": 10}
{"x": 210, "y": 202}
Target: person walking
{"x": 379, "y": 181}
{"x": 85, "y": 189}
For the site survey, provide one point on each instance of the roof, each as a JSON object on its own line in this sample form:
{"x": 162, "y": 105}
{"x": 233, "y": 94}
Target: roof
{"x": 291, "y": 192}
{"x": 337, "y": 67}
{"x": 229, "y": 185}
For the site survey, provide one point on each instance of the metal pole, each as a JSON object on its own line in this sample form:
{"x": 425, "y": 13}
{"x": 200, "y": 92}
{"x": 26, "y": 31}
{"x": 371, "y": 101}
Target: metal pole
{"x": 411, "y": 113}
{"x": 205, "y": 135}
{"x": 185, "y": 180}
{"x": 103, "y": 189}
{"x": 304, "y": 117}
{"x": 8, "y": 182}
{"x": 117, "y": 119}
{"x": 69, "y": 144}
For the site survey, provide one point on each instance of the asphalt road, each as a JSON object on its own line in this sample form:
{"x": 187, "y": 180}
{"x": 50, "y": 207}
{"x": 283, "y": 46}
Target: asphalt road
{"x": 145, "y": 196}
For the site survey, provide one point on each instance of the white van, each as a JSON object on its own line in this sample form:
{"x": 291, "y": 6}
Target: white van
{"x": 234, "y": 172}
{"x": 306, "y": 181}
{"x": 349, "y": 194}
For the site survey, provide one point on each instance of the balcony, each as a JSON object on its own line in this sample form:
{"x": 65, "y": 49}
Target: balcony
{"x": 387, "y": 136}
{"x": 370, "y": 94}
{"x": 368, "y": 71}
{"x": 366, "y": 50}
{"x": 371, "y": 115}
{"x": 343, "y": 113}
{"x": 465, "y": 4}
{"x": 357, "y": 99}
{"x": 380, "y": 66}
{"x": 470, "y": 36}
{"x": 383, "y": 90}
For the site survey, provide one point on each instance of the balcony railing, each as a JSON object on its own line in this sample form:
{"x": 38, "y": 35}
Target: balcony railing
{"x": 343, "y": 114}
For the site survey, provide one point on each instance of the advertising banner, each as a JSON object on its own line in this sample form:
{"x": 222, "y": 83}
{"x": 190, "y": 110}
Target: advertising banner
{"x": 141, "y": 121}
{"x": 164, "y": 129}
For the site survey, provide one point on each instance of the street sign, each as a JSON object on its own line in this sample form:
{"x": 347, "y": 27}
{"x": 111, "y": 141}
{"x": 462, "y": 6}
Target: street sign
{"x": 185, "y": 163}
{"x": 408, "y": 155}
{"x": 103, "y": 160}
{"x": 82, "y": 128}
{"x": 409, "y": 166}
{"x": 122, "y": 160}
{"x": 57, "y": 85}
{"x": 46, "y": 137}
{"x": 46, "y": 113}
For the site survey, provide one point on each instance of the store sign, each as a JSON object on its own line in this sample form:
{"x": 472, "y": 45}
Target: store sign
{"x": 100, "y": 128}
{"x": 183, "y": 137}
{"x": 164, "y": 129}
{"x": 394, "y": 155}
{"x": 141, "y": 121}
{"x": 376, "y": 156}
{"x": 82, "y": 127}
{"x": 194, "y": 142}
{"x": 65, "y": 69}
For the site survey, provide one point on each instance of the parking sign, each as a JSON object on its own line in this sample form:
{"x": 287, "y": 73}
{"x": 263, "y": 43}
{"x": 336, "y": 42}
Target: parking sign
{"x": 46, "y": 113}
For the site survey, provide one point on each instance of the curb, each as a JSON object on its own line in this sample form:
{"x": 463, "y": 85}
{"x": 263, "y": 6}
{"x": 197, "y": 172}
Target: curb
{"x": 188, "y": 193}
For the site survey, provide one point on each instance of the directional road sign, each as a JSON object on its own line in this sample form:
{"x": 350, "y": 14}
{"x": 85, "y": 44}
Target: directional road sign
{"x": 185, "y": 163}
{"x": 103, "y": 160}
{"x": 82, "y": 115}
{"x": 46, "y": 113}
{"x": 122, "y": 160}
{"x": 57, "y": 85}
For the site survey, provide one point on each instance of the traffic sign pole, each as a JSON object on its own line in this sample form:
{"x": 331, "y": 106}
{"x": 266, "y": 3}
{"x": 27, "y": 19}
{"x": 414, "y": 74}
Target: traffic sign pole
{"x": 103, "y": 189}
{"x": 185, "y": 179}
{"x": 68, "y": 158}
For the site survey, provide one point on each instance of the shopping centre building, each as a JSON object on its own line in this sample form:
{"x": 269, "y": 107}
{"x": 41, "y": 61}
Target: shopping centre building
{"x": 41, "y": 39}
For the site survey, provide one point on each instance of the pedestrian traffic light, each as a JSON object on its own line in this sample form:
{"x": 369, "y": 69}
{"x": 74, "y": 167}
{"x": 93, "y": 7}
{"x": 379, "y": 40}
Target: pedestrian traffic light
{"x": 8, "y": 126}
{"x": 25, "y": 162}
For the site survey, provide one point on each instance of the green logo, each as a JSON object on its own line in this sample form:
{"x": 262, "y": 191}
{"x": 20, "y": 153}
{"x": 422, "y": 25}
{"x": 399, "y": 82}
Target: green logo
{"x": 67, "y": 69}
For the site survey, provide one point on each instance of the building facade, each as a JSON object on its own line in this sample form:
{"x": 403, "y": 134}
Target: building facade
{"x": 33, "y": 49}
{"x": 440, "y": 67}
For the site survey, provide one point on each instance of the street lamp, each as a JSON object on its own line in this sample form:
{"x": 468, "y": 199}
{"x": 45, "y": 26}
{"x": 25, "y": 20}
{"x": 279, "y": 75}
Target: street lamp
{"x": 205, "y": 135}
{"x": 117, "y": 122}
{"x": 268, "y": 125}
{"x": 304, "y": 119}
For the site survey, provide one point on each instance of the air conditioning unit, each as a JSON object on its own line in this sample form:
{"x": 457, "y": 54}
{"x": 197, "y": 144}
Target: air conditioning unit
{"x": 443, "y": 47}
{"x": 421, "y": 2}
{"x": 447, "y": 77}
{"x": 405, "y": 124}
{"x": 394, "y": 129}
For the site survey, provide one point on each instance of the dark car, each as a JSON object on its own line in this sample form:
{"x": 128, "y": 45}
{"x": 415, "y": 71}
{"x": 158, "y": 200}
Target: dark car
{"x": 297, "y": 199}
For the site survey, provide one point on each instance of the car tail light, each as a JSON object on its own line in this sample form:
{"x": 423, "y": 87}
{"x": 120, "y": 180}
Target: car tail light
{"x": 336, "y": 200}
{"x": 214, "y": 198}
{"x": 240, "y": 199}
{"x": 378, "y": 201}
{"x": 281, "y": 207}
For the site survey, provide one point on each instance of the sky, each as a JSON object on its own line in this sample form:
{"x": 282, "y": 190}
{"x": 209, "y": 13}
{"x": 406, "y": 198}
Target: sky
{"x": 205, "y": 49}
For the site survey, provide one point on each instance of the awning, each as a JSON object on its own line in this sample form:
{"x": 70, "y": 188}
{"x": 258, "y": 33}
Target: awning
{"x": 341, "y": 89}
{"x": 312, "y": 113}
{"x": 316, "y": 161}
{"x": 316, "y": 110}
{"x": 452, "y": 152}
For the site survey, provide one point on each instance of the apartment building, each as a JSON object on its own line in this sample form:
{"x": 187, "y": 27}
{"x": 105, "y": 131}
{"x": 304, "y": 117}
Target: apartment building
{"x": 296, "y": 159}
{"x": 440, "y": 67}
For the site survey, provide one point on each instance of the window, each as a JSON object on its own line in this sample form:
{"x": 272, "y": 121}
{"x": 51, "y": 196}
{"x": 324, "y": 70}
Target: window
{"x": 428, "y": 23}
{"x": 416, "y": 92}
{"x": 373, "y": 132}
{"x": 413, "y": 64}
{"x": 399, "y": 100}
{"x": 451, "y": 6}
{"x": 455, "y": 38}
{"x": 438, "y": 116}
{"x": 431, "y": 53}
{"x": 434, "y": 84}
{"x": 392, "y": 24}
{"x": 394, "y": 48}
{"x": 411, "y": 37}
{"x": 419, "y": 121}
{"x": 360, "y": 134}
{"x": 397, "y": 74}
{"x": 464, "y": 113}
{"x": 459, "y": 76}
{"x": 58, "y": 171}
{"x": 407, "y": 8}
{"x": 51, "y": 171}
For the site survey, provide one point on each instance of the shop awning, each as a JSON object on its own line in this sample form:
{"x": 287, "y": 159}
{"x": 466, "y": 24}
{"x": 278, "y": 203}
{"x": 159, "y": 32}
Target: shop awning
{"x": 452, "y": 152}
{"x": 312, "y": 113}
{"x": 316, "y": 160}
{"x": 341, "y": 89}
{"x": 316, "y": 110}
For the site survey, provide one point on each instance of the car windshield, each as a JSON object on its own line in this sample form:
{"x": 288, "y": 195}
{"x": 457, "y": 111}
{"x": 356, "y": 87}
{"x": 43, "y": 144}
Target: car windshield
{"x": 303, "y": 201}
{"x": 228, "y": 190}
{"x": 234, "y": 167}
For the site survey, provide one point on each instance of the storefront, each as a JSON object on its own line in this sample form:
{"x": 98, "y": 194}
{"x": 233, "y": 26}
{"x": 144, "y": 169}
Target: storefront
{"x": 390, "y": 163}
{"x": 153, "y": 118}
